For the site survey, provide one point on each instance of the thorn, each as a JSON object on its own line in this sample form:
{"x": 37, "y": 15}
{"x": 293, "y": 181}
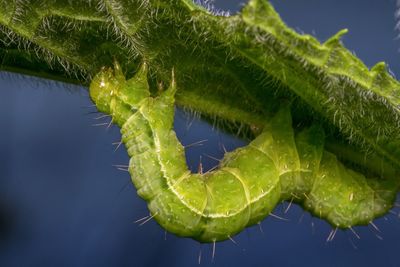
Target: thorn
{"x": 329, "y": 236}
{"x": 213, "y": 251}
{"x": 99, "y": 124}
{"x": 124, "y": 168}
{"x": 301, "y": 217}
{"x": 223, "y": 148}
{"x": 101, "y": 117}
{"x": 109, "y": 125}
{"x": 354, "y": 232}
{"x": 332, "y": 235}
{"x": 278, "y": 217}
{"x": 379, "y": 237}
{"x": 288, "y": 207}
{"x": 148, "y": 219}
{"x": 306, "y": 196}
{"x": 210, "y": 170}
{"x": 260, "y": 226}
{"x": 374, "y": 226}
{"x": 92, "y": 112}
{"x": 120, "y": 166}
{"x": 211, "y": 157}
{"x": 198, "y": 143}
{"x": 141, "y": 219}
{"x": 118, "y": 145}
{"x": 239, "y": 129}
{"x": 233, "y": 241}
{"x": 199, "y": 258}
{"x": 188, "y": 126}
{"x": 200, "y": 167}
{"x": 165, "y": 235}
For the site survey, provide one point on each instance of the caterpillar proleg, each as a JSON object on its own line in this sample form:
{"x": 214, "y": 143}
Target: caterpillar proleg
{"x": 277, "y": 165}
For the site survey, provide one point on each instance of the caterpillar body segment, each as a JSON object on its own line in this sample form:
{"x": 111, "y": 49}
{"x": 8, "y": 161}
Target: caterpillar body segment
{"x": 250, "y": 181}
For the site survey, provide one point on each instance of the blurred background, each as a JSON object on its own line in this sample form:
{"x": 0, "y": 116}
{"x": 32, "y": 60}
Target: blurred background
{"x": 62, "y": 203}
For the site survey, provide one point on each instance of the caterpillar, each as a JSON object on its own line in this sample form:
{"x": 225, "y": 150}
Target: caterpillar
{"x": 277, "y": 165}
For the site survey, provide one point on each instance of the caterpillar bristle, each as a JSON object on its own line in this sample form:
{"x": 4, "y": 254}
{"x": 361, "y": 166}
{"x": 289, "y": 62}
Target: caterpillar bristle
{"x": 332, "y": 235}
{"x": 354, "y": 233}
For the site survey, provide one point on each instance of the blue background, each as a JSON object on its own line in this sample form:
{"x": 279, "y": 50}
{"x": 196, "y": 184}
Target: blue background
{"x": 63, "y": 204}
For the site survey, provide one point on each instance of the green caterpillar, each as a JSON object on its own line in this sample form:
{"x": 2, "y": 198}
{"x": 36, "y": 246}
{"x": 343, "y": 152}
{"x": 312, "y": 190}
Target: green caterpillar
{"x": 250, "y": 181}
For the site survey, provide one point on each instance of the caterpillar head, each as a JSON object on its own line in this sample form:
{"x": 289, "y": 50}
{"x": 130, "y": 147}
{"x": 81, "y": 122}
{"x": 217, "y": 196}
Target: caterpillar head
{"x": 111, "y": 83}
{"x": 104, "y": 86}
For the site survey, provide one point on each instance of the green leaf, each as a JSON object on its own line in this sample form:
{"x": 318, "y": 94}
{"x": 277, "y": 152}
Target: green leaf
{"x": 230, "y": 68}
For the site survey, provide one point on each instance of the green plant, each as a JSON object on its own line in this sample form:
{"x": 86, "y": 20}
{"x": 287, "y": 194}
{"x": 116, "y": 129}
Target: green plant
{"x": 234, "y": 69}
